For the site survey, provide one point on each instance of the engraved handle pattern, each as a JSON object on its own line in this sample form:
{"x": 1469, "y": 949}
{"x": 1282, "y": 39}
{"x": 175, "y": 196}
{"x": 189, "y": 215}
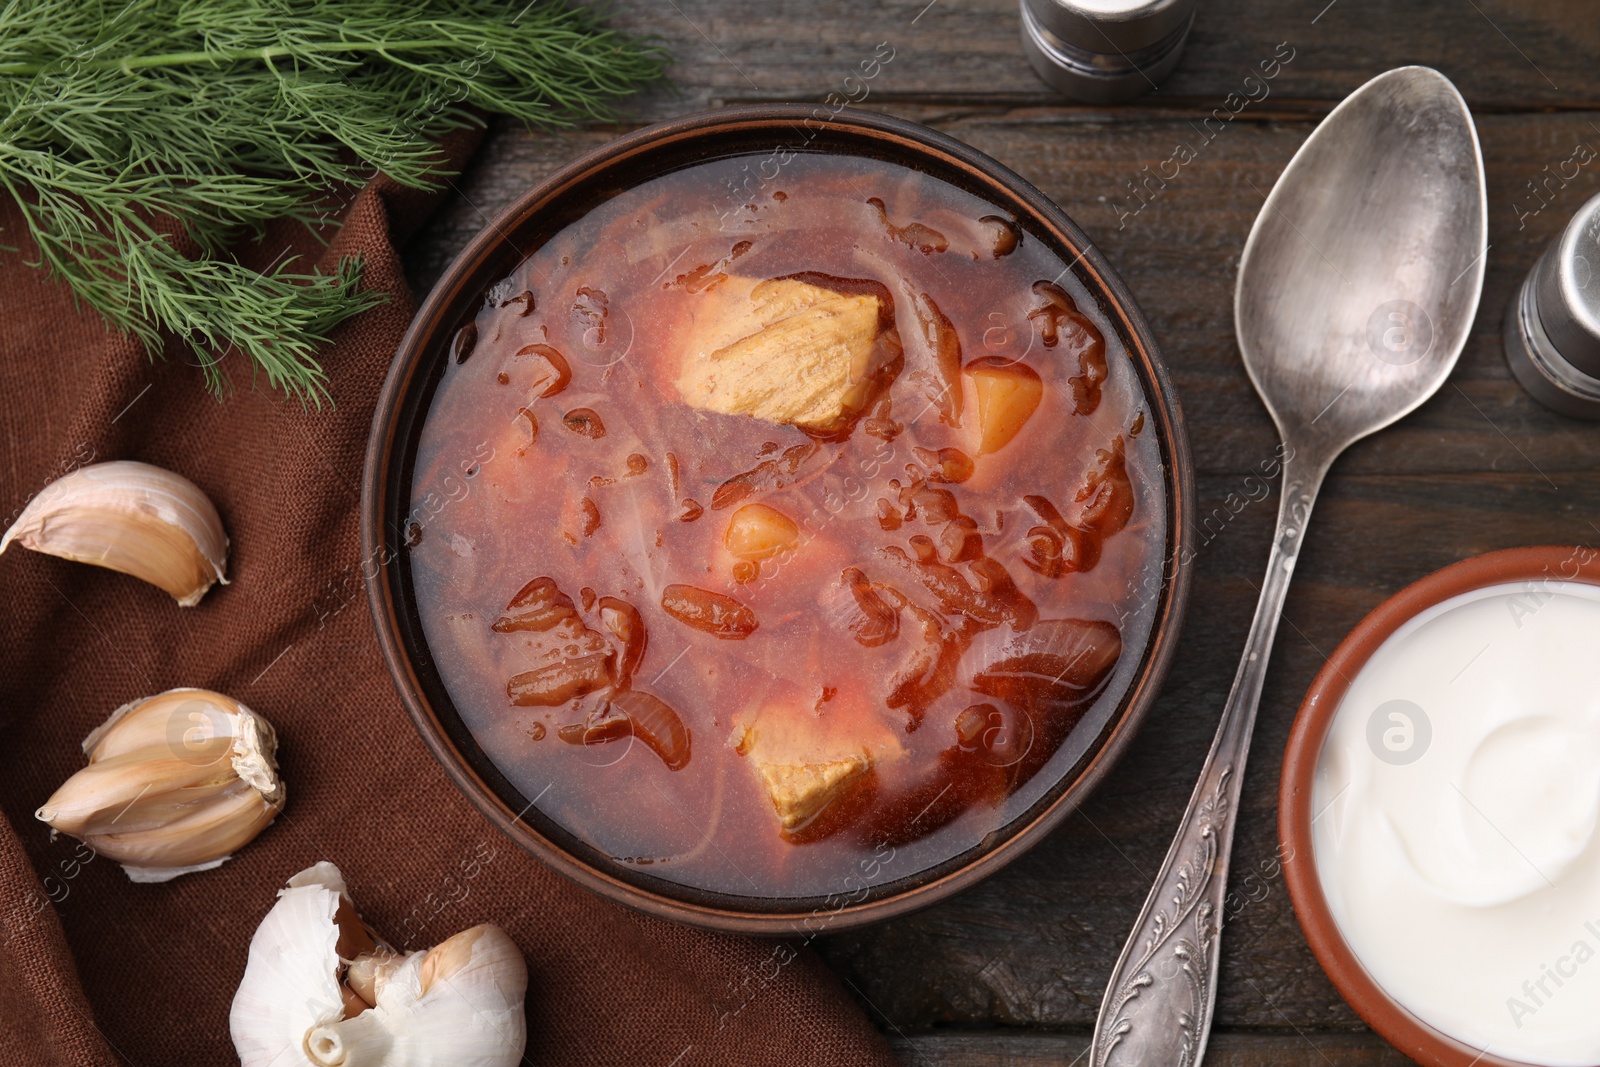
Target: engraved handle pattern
{"x": 1157, "y": 1007}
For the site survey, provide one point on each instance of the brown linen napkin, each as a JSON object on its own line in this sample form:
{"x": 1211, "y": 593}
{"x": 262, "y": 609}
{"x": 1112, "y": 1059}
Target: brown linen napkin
{"x": 95, "y": 970}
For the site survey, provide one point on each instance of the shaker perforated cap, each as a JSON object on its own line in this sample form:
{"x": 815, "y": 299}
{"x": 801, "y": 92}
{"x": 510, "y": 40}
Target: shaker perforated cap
{"x": 1567, "y": 290}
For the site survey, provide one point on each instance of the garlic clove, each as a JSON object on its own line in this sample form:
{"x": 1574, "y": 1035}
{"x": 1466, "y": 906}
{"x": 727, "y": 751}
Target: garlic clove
{"x": 353, "y": 1004}
{"x": 367, "y": 974}
{"x": 189, "y": 723}
{"x": 458, "y": 1004}
{"x": 212, "y": 831}
{"x": 104, "y": 794}
{"x": 189, "y": 726}
{"x": 175, "y": 782}
{"x": 130, "y": 517}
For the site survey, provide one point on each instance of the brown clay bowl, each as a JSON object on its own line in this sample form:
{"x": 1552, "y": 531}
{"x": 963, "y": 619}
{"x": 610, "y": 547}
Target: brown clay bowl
{"x": 534, "y": 218}
{"x": 1378, "y": 1009}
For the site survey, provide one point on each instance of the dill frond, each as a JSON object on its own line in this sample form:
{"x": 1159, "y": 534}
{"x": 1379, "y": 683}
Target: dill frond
{"x": 226, "y": 114}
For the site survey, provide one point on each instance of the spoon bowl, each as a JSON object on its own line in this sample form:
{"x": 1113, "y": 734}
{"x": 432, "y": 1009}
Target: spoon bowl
{"x": 1361, "y": 276}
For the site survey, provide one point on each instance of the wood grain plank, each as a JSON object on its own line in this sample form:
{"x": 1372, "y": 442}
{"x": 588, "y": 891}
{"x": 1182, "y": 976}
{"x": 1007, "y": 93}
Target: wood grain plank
{"x": 1502, "y": 53}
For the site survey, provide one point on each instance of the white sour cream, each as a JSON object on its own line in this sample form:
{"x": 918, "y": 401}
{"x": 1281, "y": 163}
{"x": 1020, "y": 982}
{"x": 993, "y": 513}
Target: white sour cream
{"x": 1454, "y": 833}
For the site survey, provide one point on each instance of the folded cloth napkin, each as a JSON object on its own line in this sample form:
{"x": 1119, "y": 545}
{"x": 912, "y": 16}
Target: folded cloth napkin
{"x": 95, "y": 970}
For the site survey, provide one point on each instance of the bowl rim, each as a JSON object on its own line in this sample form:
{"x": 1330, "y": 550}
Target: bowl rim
{"x": 913, "y": 144}
{"x": 1381, "y": 1011}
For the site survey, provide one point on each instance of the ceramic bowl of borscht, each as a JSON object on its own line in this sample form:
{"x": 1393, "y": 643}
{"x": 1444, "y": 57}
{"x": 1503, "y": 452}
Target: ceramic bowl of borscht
{"x": 775, "y": 519}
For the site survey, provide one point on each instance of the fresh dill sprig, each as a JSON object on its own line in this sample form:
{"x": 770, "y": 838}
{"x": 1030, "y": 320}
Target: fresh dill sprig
{"x": 122, "y": 119}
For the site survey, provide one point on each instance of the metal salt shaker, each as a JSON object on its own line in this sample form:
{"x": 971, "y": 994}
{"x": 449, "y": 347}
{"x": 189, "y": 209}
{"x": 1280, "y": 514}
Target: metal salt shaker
{"x": 1552, "y": 328}
{"x": 1105, "y": 51}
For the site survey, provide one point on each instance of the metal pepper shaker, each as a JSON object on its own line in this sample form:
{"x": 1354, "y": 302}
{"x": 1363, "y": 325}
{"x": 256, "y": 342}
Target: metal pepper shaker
{"x": 1105, "y": 51}
{"x": 1552, "y": 328}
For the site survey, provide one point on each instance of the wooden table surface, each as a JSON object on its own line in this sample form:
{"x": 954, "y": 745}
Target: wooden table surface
{"x": 1011, "y": 972}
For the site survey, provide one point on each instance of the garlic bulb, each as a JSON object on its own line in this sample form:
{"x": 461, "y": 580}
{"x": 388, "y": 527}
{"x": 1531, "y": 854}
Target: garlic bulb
{"x": 175, "y": 783}
{"x": 131, "y": 517}
{"x": 319, "y": 991}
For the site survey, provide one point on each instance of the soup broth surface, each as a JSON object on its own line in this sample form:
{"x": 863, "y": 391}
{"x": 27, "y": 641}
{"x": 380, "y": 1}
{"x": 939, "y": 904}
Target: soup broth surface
{"x": 787, "y": 543}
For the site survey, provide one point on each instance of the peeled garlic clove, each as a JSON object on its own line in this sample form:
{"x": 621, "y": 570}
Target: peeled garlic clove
{"x": 457, "y": 1004}
{"x": 175, "y": 782}
{"x": 131, "y": 517}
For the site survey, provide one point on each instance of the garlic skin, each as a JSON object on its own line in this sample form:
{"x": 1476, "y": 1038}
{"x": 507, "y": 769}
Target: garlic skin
{"x": 176, "y": 783}
{"x": 291, "y": 981}
{"x": 130, "y": 517}
{"x": 458, "y": 1004}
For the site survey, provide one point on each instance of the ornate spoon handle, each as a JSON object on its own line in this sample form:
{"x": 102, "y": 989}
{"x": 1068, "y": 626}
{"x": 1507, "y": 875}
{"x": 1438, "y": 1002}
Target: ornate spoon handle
{"x": 1157, "y": 1008}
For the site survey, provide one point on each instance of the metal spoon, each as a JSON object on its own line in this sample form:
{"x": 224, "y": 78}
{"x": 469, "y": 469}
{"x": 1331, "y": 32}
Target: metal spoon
{"x": 1356, "y": 292}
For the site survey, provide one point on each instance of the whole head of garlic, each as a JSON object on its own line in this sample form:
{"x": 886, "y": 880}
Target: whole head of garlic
{"x": 320, "y": 991}
{"x": 131, "y": 517}
{"x": 176, "y": 782}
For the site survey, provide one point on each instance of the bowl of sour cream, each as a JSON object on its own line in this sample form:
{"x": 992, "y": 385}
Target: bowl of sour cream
{"x": 1440, "y": 811}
